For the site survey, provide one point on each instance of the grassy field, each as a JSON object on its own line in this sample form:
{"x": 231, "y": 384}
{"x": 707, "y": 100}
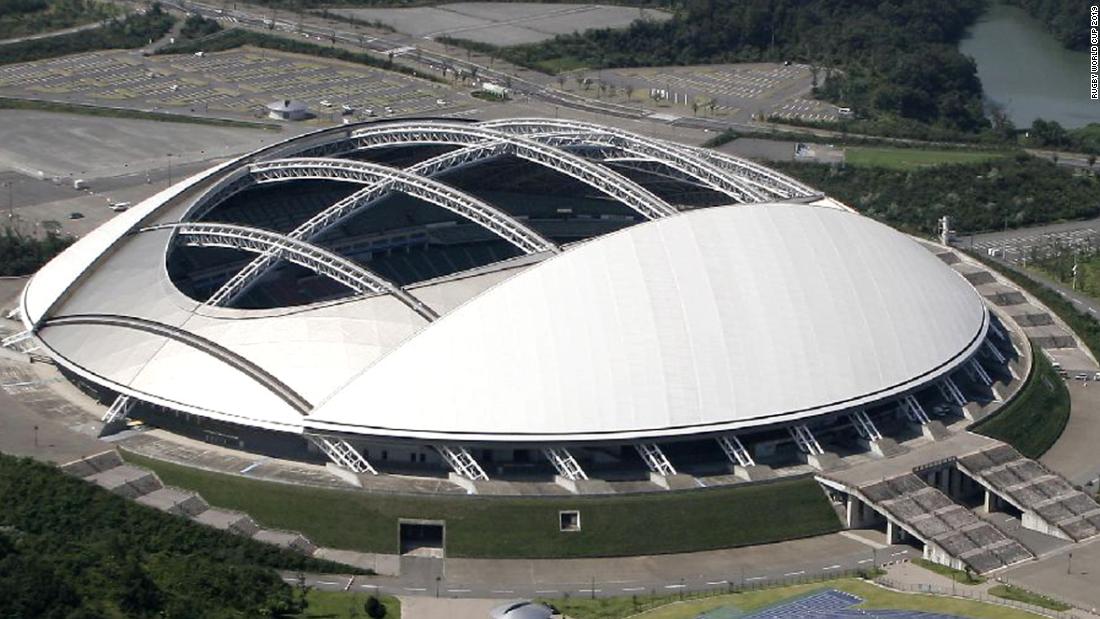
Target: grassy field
{"x": 911, "y": 158}
{"x": 875, "y": 598}
{"x": 1036, "y": 417}
{"x": 339, "y": 605}
{"x": 525, "y": 527}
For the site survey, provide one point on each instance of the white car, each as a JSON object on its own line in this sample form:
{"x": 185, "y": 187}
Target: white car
{"x": 326, "y": 103}
{"x": 118, "y": 207}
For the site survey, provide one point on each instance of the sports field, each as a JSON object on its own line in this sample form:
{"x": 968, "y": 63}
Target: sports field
{"x": 874, "y": 597}
{"x": 913, "y": 158}
{"x": 507, "y": 527}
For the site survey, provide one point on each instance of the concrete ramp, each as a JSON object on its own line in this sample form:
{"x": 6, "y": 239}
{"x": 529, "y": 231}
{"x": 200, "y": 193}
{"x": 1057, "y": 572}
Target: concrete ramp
{"x": 1048, "y": 502}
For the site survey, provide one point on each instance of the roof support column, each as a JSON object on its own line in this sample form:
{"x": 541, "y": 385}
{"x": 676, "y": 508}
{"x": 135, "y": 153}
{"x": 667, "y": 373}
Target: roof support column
{"x": 460, "y": 460}
{"x": 805, "y": 440}
{"x": 735, "y": 450}
{"x": 342, "y": 454}
{"x": 23, "y": 342}
{"x": 655, "y": 459}
{"x": 564, "y": 463}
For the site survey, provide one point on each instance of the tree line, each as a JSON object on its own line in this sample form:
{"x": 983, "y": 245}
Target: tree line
{"x": 23, "y": 17}
{"x": 1010, "y": 192}
{"x": 132, "y": 31}
{"x": 70, "y": 550}
{"x": 892, "y": 58}
{"x": 1066, "y": 19}
{"x": 22, "y": 254}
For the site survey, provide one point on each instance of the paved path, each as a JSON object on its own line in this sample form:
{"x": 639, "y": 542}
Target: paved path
{"x": 1076, "y": 454}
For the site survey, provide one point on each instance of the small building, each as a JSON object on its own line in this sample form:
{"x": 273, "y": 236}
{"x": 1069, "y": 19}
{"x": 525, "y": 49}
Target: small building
{"x": 287, "y": 109}
{"x": 495, "y": 89}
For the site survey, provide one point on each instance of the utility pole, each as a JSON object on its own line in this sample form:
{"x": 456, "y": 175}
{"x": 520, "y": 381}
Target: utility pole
{"x": 169, "y": 155}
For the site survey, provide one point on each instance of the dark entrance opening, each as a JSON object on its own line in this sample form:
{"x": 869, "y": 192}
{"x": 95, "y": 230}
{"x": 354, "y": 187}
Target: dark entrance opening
{"x": 422, "y": 538}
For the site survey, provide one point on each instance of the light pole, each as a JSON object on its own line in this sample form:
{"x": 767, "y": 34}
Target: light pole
{"x": 1069, "y": 562}
{"x": 169, "y": 156}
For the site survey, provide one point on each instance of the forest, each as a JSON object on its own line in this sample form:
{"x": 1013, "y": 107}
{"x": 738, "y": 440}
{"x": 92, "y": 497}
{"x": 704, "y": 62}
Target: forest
{"x": 1067, "y": 20}
{"x": 70, "y": 550}
{"x": 1010, "y": 192}
{"x": 132, "y": 31}
{"x": 21, "y": 254}
{"x": 23, "y": 17}
{"x": 893, "y": 58}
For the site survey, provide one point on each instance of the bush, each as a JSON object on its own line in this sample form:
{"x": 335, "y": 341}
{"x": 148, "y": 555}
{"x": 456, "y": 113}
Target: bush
{"x": 374, "y": 608}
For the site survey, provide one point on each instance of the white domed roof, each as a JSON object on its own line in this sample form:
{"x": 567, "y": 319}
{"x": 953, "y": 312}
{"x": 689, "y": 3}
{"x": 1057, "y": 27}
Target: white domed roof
{"x": 711, "y": 320}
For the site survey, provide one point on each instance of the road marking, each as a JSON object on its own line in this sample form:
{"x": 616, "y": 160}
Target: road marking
{"x": 900, "y": 552}
{"x": 369, "y": 586}
{"x": 415, "y": 589}
{"x": 458, "y": 590}
{"x": 633, "y": 588}
{"x": 508, "y": 591}
{"x": 798, "y": 573}
{"x": 286, "y": 579}
{"x": 327, "y": 582}
{"x": 675, "y": 586}
{"x": 831, "y": 567}
{"x": 589, "y": 590}
{"x": 865, "y": 561}
{"x": 751, "y": 578}
{"x": 547, "y": 591}
{"x": 719, "y": 582}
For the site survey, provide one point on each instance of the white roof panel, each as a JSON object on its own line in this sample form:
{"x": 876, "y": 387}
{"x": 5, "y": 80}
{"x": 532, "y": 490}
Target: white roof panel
{"x": 714, "y": 319}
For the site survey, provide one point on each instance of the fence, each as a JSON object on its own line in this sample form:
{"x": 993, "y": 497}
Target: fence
{"x": 977, "y": 596}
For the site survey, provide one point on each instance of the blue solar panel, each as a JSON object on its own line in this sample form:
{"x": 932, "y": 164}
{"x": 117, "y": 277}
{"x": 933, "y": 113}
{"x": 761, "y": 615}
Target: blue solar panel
{"x": 831, "y": 604}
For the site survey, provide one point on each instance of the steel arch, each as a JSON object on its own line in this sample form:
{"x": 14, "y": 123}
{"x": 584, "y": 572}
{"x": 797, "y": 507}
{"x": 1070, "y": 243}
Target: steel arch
{"x": 599, "y": 177}
{"x": 526, "y": 239}
{"x": 569, "y": 132}
{"x": 273, "y": 246}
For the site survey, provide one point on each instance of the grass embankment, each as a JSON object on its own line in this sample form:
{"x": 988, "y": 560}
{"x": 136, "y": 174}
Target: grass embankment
{"x": 133, "y": 31}
{"x": 340, "y": 605}
{"x": 1016, "y": 594}
{"x": 958, "y": 576}
{"x": 913, "y": 158}
{"x": 236, "y": 37}
{"x": 1036, "y": 417}
{"x": 8, "y": 103}
{"x": 875, "y": 598}
{"x": 499, "y": 527}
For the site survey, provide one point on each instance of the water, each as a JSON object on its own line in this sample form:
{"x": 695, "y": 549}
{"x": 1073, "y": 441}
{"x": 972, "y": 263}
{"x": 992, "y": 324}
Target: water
{"x": 1026, "y": 70}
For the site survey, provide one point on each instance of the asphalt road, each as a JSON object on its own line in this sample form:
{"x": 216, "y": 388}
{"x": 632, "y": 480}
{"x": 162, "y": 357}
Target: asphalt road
{"x": 785, "y": 562}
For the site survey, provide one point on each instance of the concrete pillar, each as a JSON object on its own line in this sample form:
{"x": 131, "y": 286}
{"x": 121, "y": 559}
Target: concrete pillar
{"x": 894, "y": 533}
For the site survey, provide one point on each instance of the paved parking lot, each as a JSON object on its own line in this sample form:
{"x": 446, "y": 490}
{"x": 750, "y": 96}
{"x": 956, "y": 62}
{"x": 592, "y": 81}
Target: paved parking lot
{"x": 736, "y": 90}
{"x": 504, "y": 24}
{"x": 232, "y": 83}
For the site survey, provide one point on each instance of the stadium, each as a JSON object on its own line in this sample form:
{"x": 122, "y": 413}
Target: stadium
{"x": 521, "y": 299}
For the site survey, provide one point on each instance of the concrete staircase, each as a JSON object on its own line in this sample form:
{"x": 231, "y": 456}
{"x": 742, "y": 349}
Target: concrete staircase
{"x": 110, "y": 472}
{"x": 1048, "y": 502}
{"x": 951, "y": 533}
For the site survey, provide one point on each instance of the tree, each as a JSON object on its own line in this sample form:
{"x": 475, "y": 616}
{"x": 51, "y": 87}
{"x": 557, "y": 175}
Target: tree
{"x": 374, "y": 608}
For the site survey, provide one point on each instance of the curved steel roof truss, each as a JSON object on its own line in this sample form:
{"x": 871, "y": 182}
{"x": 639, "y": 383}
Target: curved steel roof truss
{"x": 596, "y": 176}
{"x": 273, "y": 246}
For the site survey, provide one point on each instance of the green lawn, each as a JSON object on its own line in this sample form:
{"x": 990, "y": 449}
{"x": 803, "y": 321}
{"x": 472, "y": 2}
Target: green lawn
{"x": 910, "y": 158}
{"x": 339, "y": 605}
{"x": 957, "y": 575}
{"x": 1017, "y": 594}
{"x": 1036, "y": 417}
{"x": 875, "y": 598}
{"x": 502, "y": 527}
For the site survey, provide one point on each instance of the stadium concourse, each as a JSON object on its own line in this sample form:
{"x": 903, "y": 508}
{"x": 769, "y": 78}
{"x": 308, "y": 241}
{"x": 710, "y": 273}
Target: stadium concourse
{"x": 538, "y": 305}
